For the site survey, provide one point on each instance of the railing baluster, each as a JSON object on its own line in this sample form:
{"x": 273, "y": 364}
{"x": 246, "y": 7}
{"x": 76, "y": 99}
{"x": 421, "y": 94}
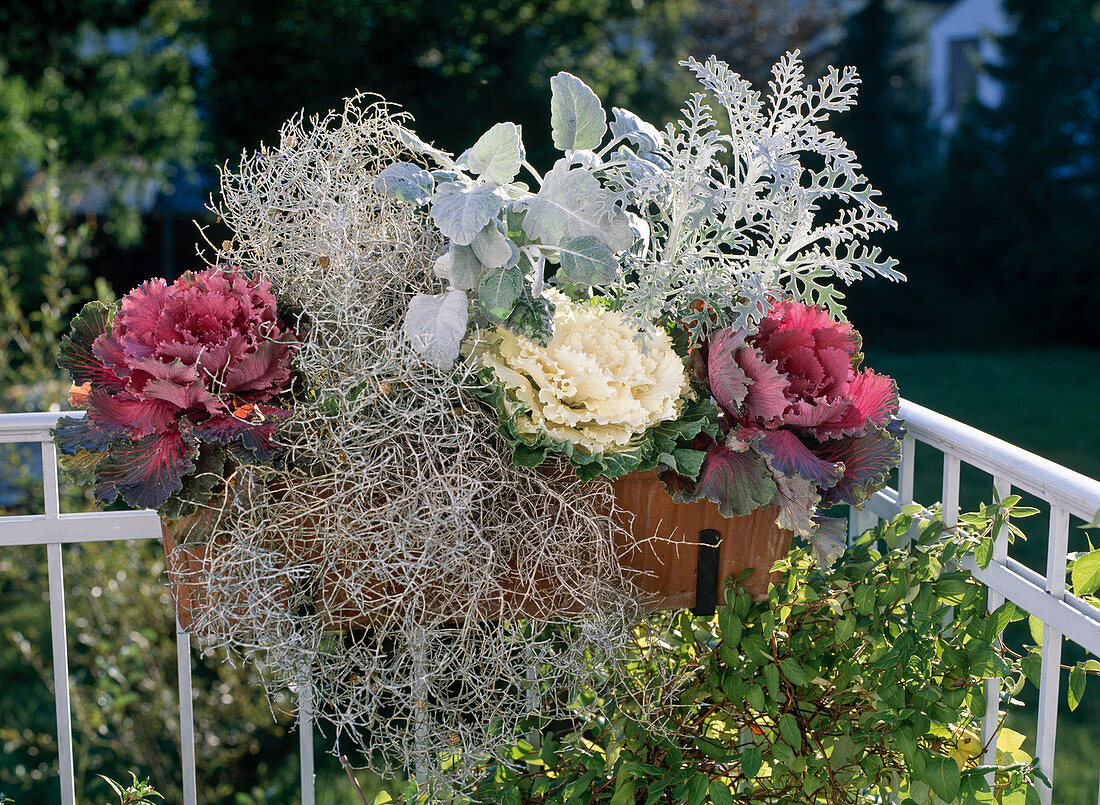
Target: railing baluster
{"x": 187, "y": 717}
{"x": 907, "y": 470}
{"x": 305, "y": 740}
{"x": 1051, "y": 667}
{"x": 1002, "y": 488}
{"x": 61, "y": 675}
{"x": 58, "y": 631}
{"x": 950, "y": 495}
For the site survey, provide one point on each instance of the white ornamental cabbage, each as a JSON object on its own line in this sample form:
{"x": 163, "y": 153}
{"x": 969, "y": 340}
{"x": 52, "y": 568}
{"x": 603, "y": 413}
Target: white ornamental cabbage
{"x": 595, "y": 385}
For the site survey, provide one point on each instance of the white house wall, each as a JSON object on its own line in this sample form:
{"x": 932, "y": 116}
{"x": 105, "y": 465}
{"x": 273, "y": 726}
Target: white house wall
{"x": 984, "y": 20}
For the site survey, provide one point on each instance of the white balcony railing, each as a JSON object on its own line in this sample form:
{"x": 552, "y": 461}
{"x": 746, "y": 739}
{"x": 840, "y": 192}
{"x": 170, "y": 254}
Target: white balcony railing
{"x": 1045, "y": 596}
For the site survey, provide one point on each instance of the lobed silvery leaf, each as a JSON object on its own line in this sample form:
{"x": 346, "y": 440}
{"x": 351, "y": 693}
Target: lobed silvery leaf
{"x": 641, "y": 229}
{"x": 416, "y": 145}
{"x": 628, "y": 126}
{"x": 571, "y": 204}
{"x": 587, "y": 262}
{"x": 493, "y": 248}
{"x": 405, "y": 182}
{"x": 577, "y": 118}
{"x": 435, "y": 325}
{"x": 642, "y": 170}
{"x": 465, "y": 268}
{"x": 498, "y": 154}
{"x": 461, "y": 212}
{"x": 498, "y": 292}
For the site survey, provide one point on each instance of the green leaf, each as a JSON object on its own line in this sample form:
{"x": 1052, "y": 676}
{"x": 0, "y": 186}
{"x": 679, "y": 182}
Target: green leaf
{"x": 461, "y": 212}
{"x": 998, "y": 620}
{"x": 624, "y": 793}
{"x": 1085, "y": 577}
{"x": 906, "y": 743}
{"x": 405, "y": 182}
{"x": 498, "y": 154}
{"x": 793, "y": 671}
{"x": 1036, "y": 627}
{"x": 415, "y": 144}
{"x": 577, "y": 118}
{"x": 771, "y": 679}
{"x": 697, "y": 788}
{"x": 720, "y": 793}
{"x": 533, "y": 319}
{"x": 1076, "y": 687}
{"x": 498, "y": 292}
{"x": 739, "y": 482}
{"x": 81, "y": 466}
{"x": 983, "y": 553}
{"x": 944, "y": 777}
{"x": 846, "y": 628}
{"x": 755, "y": 698}
{"x": 435, "y": 325}
{"x": 751, "y": 761}
{"x": 586, "y": 262}
{"x": 788, "y": 728}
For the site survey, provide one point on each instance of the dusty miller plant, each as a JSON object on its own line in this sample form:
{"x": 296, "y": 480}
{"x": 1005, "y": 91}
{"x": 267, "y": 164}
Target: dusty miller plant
{"x": 706, "y": 222}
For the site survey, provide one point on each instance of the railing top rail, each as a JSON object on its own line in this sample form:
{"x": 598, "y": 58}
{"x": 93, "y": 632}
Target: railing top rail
{"x": 1076, "y": 493}
{"x": 32, "y": 427}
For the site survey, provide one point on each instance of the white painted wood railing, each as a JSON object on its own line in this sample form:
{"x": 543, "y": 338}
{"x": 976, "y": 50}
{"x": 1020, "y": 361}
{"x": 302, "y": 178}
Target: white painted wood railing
{"x": 1068, "y": 493}
{"x": 1045, "y": 596}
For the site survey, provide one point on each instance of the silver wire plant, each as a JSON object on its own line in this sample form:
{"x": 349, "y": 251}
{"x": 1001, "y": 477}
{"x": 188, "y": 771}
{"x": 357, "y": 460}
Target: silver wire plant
{"x": 423, "y": 594}
{"x": 706, "y": 222}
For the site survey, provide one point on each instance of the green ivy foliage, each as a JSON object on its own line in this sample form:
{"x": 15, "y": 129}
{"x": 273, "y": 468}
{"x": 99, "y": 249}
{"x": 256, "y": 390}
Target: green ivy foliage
{"x": 863, "y": 685}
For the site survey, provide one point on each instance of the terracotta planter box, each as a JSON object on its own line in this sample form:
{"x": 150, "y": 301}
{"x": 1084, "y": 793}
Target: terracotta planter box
{"x": 684, "y": 552}
{"x": 671, "y": 562}
{"x": 191, "y": 591}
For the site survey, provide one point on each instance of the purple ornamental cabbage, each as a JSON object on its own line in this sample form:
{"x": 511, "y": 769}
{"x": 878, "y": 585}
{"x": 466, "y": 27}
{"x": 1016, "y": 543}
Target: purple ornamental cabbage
{"x": 801, "y": 420}
{"x": 174, "y": 377}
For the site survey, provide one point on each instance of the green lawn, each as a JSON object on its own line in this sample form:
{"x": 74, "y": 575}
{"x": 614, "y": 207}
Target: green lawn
{"x": 1044, "y": 401}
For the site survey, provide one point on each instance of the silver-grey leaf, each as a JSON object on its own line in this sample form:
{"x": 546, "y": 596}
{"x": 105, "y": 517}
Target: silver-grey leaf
{"x": 587, "y": 159}
{"x": 442, "y": 266}
{"x": 642, "y": 231}
{"x": 465, "y": 268}
{"x": 405, "y": 182}
{"x": 587, "y": 262}
{"x": 493, "y": 248}
{"x": 461, "y": 212}
{"x": 498, "y": 154}
{"x": 435, "y": 325}
{"x": 577, "y": 118}
{"x": 415, "y": 144}
{"x": 629, "y": 126}
{"x": 570, "y": 204}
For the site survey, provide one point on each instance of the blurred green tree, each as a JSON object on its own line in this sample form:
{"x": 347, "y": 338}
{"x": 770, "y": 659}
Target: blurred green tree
{"x": 889, "y": 131}
{"x": 1016, "y": 216}
{"x": 457, "y": 65}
